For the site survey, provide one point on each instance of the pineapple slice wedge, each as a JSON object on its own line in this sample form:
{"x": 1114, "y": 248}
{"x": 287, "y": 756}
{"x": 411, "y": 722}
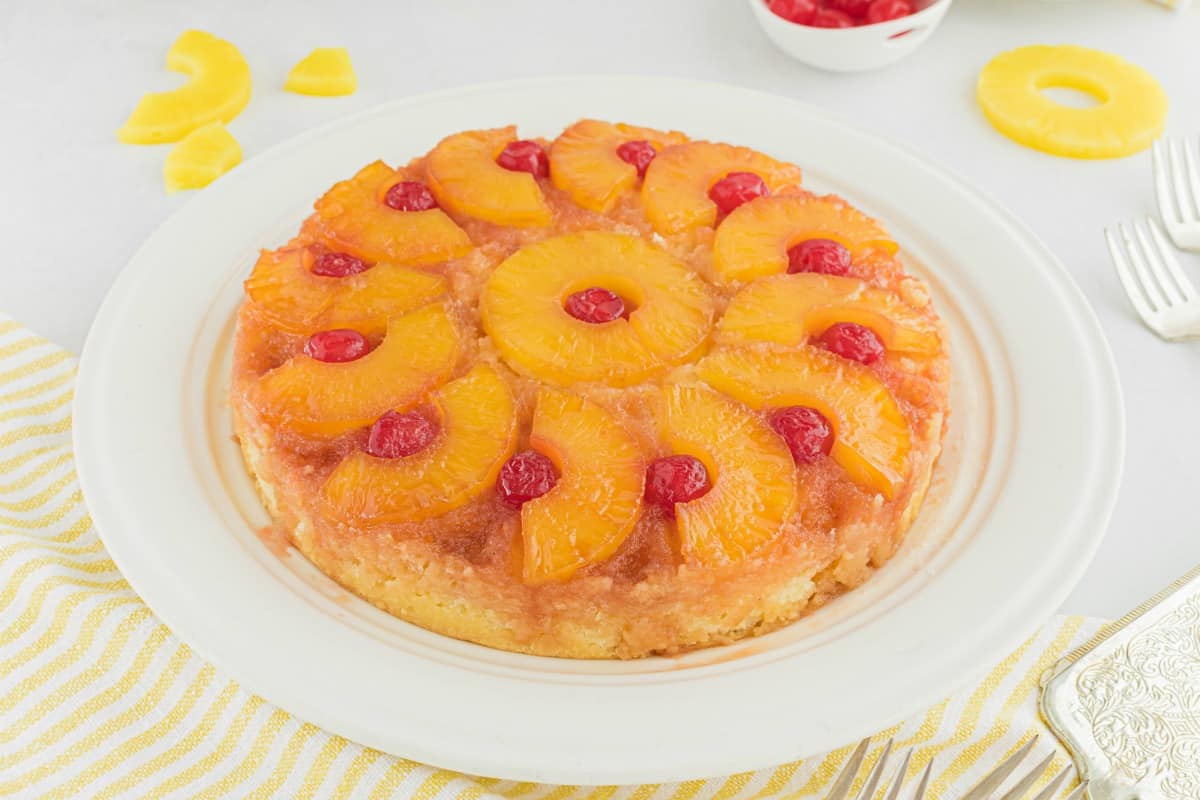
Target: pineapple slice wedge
{"x": 218, "y": 91}
{"x": 285, "y": 291}
{"x": 598, "y": 498}
{"x": 584, "y": 161}
{"x": 353, "y": 217}
{"x": 522, "y": 310}
{"x": 466, "y": 179}
{"x": 325, "y": 72}
{"x": 201, "y": 157}
{"x": 750, "y": 468}
{"x": 675, "y": 191}
{"x": 477, "y": 416}
{"x": 324, "y": 400}
{"x": 753, "y": 240}
{"x": 789, "y": 309}
{"x": 872, "y": 439}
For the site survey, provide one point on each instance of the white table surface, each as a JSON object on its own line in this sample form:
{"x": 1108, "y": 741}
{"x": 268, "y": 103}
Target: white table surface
{"x": 75, "y": 204}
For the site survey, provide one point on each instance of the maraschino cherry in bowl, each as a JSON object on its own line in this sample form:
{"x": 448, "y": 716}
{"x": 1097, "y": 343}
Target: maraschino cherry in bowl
{"x": 850, "y": 39}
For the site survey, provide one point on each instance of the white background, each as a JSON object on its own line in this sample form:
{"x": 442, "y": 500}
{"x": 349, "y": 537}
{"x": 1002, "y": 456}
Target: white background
{"x": 75, "y": 204}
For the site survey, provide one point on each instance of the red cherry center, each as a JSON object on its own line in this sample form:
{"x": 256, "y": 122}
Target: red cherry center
{"x": 595, "y": 305}
{"x": 336, "y": 346}
{"x": 805, "y": 430}
{"x": 798, "y": 11}
{"x": 524, "y": 477}
{"x": 853, "y": 8}
{"x": 852, "y": 341}
{"x": 410, "y": 196}
{"x": 396, "y": 435}
{"x": 675, "y": 479}
{"x": 639, "y": 153}
{"x": 338, "y": 265}
{"x": 525, "y": 155}
{"x": 823, "y": 256}
{"x": 832, "y": 18}
{"x": 884, "y": 10}
{"x": 737, "y": 188}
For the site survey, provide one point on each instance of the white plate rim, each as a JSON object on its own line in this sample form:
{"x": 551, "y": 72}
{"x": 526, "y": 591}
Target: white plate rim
{"x": 507, "y": 753}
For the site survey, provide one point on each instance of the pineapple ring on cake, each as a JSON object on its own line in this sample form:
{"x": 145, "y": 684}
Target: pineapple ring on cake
{"x": 754, "y": 240}
{"x": 477, "y": 418}
{"x": 669, "y": 309}
{"x": 753, "y": 478}
{"x": 596, "y": 162}
{"x": 321, "y": 399}
{"x": 791, "y": 309}
{"x": 597, "y": 498}
{"x": 1131, "y": 113}
{"x": 381, "y": 215}
{"x": 676, "y": 190}
{"x": 596, "y": 428}
{"x": 292, "y": 289}
{"x": 466, "y": 178}
{"x": 871, "y": 434}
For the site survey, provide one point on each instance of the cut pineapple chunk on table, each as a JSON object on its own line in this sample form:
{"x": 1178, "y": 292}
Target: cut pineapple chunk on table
{"x": 218, "y": 91}
{"x": 201, "y": 157}
{"x": 476, "y": 415}
{"x": 1130, "y": 115}
{"x": 325, "y": 72}
{"x": 598, "y": 497}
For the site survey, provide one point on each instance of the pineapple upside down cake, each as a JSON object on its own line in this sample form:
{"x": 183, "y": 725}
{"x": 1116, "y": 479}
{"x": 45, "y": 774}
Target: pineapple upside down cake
{"x": 617, "y": 394}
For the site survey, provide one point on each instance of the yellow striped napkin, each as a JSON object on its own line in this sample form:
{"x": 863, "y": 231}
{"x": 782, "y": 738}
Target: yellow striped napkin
{"x": 99, "y": 700}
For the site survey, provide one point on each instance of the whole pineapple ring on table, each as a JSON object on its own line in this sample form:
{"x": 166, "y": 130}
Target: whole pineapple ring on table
{"x": 1131, "y": 113}
{"x": 565, "y": 438}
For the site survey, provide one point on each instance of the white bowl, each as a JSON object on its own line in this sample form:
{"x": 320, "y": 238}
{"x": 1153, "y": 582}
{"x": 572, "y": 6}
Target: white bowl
{"x": 852, "y": 49}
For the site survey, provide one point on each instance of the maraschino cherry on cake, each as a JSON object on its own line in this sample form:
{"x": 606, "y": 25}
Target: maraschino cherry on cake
{"x": 617, "y": 394}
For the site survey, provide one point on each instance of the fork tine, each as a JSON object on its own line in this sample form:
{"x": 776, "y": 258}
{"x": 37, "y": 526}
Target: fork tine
{"x": 868, "y": 790}
{"x": 1157, "y": 261}
{"x": 997, "y": 776}
{"x": 1077, "y": 794}
{"x": 1053, "y": 786}
{"x": 1167, "y": 252}
{"x": 1183, "y": 201}
{"x": 898, "y": 778}
{"x": 1022, "y": 786}
{"x": 841, "y": 787}
{"x": 1193, "y": 174}
{"x": 1149, "y": 286}
{"x": 1132, "y": 289}
{"x": 1167, "y": 205}
{"x": 919, "y": 794}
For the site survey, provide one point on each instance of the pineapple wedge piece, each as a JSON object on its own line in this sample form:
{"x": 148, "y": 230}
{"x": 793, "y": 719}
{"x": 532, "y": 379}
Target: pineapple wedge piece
{"x": 325, "y": 72}
{"x": 218, "y": 91}
{"x": 201, "y": 157}
{"x": 477, "y": 416}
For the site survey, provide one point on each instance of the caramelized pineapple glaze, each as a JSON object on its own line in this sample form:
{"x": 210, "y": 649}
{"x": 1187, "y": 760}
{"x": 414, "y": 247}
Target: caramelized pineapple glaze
{"x": 618, "y": 394}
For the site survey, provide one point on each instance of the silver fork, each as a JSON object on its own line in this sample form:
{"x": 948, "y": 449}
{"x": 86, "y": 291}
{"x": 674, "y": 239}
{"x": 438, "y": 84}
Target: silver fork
{"x": 1161, "y": 294}
{"x": 1177, "y": 185}
{"x": 985, "y": 790}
